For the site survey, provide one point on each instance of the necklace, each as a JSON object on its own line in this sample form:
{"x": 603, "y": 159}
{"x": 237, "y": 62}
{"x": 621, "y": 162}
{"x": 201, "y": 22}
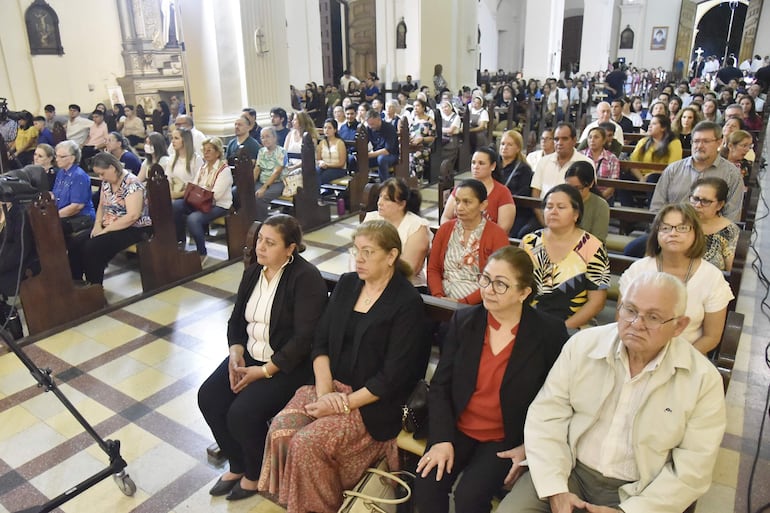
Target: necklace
{"x": 368, "y": 299}
{"x": 689, "y": 268}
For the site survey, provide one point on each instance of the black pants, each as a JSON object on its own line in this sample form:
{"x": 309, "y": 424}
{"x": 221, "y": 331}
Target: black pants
{"x": 239, "y": 422}
{"x": 91, "y": 255}
{"x": 483, "y": 477}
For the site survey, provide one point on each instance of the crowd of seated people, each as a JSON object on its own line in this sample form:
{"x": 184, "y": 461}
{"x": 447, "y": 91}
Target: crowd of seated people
{"x": 363, "y": 349}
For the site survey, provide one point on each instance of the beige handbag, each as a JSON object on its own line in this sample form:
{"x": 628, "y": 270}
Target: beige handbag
{"x": 291, "y": 183}
{"x": 376, "y": 492}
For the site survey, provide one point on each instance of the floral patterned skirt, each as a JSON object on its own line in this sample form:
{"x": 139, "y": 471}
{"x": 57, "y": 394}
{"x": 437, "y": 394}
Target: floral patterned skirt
{"x": 309, "y": 462}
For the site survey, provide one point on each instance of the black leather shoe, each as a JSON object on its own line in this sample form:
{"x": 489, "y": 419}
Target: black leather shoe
{"x": 238, "y": 493}
{"x": 222, "y": 487}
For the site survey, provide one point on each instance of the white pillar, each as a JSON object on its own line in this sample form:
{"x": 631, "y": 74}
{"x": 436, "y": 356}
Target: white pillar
{"x": 213, "y": 63}
{"x": 303, "y": 27}
{"x": 597, "y": 31}
{"x": 266, "y": 62}
{"x": 544, "y": 26}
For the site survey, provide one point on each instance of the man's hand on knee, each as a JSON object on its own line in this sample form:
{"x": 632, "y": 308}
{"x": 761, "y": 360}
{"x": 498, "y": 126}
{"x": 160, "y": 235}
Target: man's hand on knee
{"x": 566, "y": 502}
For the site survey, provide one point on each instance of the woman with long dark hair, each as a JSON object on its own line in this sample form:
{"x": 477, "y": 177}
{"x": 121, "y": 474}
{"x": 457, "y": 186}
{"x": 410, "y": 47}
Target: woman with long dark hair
{"x": 661, "y": 146}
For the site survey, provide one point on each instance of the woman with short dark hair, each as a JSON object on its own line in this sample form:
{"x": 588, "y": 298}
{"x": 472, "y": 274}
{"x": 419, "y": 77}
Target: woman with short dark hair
{"x": 122, "y": 219}
{"x": 270, "y": 332}
{"x": 676, "y": 246}
{"x": 462, "y": 246}
{"x": 494, "y": 360}
{"x": 572, "y": 270}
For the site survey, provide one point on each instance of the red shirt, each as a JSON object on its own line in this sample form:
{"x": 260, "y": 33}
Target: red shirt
{"x": 482, "y": 418}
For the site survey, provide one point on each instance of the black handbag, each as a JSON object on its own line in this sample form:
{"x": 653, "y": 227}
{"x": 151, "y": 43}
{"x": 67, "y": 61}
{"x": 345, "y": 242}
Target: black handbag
{"x": 414, "y": 414}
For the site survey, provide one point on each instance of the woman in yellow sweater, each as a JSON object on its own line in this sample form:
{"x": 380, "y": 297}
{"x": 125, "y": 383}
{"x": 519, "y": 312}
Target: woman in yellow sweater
{"x": 661, "y": 146}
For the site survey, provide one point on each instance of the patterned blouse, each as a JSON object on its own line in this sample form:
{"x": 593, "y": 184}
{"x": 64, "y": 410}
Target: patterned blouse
{"x": 114, "y": 203}
{"x": 721, "y": 245}
{"x": 269, "y": 160}
{"x": 461, "y": 262}
{"x": 562, "y": 287}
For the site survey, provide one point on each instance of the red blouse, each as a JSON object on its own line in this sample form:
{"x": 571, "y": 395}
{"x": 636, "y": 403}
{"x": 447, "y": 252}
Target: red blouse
{"x": 482, "y": 418}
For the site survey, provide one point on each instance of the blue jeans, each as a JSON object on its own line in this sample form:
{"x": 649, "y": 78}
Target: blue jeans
{"x": 330, "y": 173}
{"x": 383, "y": 163}
{"x": 195, "y": 222}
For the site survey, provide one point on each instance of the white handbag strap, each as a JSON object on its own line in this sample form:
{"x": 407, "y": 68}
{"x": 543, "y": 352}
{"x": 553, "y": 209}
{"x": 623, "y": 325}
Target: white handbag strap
{"x": 387, "y": 475}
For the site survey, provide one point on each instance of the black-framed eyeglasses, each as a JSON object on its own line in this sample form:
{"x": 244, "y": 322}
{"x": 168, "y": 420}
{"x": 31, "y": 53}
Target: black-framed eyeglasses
{"x": 650, "y": 321}
{"x": 484, "y": 281}
{"x": 703, "y": 201}
{"x": 680, "y": 228}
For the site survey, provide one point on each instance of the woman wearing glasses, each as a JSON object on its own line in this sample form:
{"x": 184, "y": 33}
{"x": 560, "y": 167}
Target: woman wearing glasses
{"x": 368, "y": 354}
{"x": 708, "y": 197}
{"x": 676, "y": 246}
{"x": 737, "y": 149}
{"x": 494, "y": 360}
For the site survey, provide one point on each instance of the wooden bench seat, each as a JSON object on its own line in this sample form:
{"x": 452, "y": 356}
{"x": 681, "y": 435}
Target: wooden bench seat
{"x": 50, "y": 298}
{"x": 161, "y": 260}
{"x": 304, "y": 205}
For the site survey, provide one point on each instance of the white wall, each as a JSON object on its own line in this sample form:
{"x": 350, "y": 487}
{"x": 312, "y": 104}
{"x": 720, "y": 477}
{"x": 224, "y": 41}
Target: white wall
{"x": 394, "y": 63}
{"x": 510, "y": 28}
{"x": 303, "y": 31}
{"x": 91, "y": 62}
{"x": 449, "y": 39}
{"x": 663, "y": 13}
{"x": 487, "y": 19}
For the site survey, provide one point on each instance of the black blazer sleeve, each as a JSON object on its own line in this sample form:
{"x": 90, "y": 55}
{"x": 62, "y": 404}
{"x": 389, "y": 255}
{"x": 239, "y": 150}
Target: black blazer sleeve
{"x": 538, "y": 344}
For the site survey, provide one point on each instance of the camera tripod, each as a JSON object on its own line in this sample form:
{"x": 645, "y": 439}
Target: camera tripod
{"x": 117, "y": 465}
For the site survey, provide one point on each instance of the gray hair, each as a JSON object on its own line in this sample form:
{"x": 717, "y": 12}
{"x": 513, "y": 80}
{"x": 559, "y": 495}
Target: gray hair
{"x": 668, "y": 282}
{"x": 72, "y": 148}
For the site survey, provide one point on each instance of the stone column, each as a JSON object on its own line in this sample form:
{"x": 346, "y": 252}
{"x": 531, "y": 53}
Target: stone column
{"x": 213, "y": 62}
{"x": 448, "y": 37}
{"x": 544, "y": 25}
{"x": 266, "y": 57}
{"x": 597, "y": 31}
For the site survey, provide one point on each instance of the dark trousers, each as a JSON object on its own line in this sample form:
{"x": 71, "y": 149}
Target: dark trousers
{"x": 90, "y": 255}
{"x": 483, "y": 475}
{"x": 383, "y": 164}
{"x": 239, "y": 422}
{"x": 195, "y": 221}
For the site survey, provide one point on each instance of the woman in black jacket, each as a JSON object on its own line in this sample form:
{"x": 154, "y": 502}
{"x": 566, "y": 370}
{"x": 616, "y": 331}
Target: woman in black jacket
{"x": 279, "y": 303}
{"x": 368, "y": 354}
{"x": 495, "y": 358}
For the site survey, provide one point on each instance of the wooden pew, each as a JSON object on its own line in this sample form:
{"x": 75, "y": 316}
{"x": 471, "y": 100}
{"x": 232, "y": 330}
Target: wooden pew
{"x": 238, "y": 221}
{"x": 161, "y": 260}
{"x": 464, "y": 155}
{"x": 50, "y": 298}
{"x": 639, "y": 215}
{"x": 305, "y": 203}
{"x": 401, "y": 169}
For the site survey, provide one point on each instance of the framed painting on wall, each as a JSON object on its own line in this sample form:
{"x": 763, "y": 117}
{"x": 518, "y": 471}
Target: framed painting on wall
{"x": 43, "y": 29}
{"x": 659, "y": 38}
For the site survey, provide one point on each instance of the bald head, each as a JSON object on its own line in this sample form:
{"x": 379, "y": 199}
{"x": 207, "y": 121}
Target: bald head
{"x": 603, "y": 111}
{"x": 184, "y": 121}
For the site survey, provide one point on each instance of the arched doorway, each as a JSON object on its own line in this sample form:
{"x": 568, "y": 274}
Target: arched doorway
{"x": 714, "y": 26}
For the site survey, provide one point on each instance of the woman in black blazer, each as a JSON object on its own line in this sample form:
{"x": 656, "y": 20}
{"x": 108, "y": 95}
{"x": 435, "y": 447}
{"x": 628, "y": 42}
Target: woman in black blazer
{"x": 495, "y": 358}
{"x": 368, "y": 355}
{"x": 280, "y": 301}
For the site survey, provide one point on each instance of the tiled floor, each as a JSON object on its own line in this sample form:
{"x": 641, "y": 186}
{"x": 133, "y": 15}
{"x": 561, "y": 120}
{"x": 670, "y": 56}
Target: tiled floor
{"x": 134, "y": 373}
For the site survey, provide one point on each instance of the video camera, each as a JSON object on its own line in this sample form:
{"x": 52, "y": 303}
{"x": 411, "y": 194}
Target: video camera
{"x": 22, "y": 185}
